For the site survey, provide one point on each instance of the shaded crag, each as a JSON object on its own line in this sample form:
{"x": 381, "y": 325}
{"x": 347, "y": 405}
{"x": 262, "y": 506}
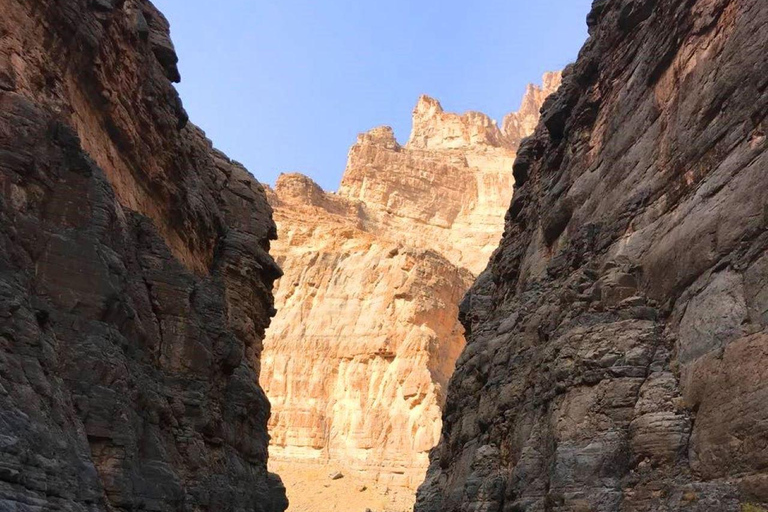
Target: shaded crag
{"x": 135, "y": 283}
{"x": 617, "y": 353}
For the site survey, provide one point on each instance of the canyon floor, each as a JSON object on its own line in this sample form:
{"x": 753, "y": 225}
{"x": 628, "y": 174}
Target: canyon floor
{"x": 310, "y": 488}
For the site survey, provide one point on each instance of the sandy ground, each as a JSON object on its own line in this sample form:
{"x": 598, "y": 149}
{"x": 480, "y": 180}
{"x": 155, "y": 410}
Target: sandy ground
{"x": 311, "y": 489}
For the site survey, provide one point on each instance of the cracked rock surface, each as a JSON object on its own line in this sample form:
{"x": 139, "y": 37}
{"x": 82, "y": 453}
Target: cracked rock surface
{"x": 617, "y": 343}
{"x": 135, "y": 279}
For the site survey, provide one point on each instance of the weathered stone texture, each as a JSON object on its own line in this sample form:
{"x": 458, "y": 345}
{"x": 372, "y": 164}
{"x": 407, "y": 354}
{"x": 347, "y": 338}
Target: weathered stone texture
{"x": 358, "y": 358}
{"x": 617, "y": 341}
{"x": 135, "y": 282}
{"x": 366, "y": 336}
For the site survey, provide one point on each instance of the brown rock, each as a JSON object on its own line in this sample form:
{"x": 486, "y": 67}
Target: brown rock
{"x": 616, "y": 349}
{"x": 135, "y": 284}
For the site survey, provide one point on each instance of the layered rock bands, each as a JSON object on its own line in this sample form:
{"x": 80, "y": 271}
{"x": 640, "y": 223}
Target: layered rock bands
{"x": 135, "y": 283}
{"x": 617, "y": 345}
{"x": 367, "y": 334}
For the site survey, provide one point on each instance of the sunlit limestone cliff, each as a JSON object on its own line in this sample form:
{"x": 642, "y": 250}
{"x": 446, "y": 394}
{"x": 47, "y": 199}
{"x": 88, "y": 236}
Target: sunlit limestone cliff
{"x": 366, "y": 336}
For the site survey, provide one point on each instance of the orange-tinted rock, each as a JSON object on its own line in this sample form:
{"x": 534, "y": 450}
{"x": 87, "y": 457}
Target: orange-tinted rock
{"x": 358, "y": 357}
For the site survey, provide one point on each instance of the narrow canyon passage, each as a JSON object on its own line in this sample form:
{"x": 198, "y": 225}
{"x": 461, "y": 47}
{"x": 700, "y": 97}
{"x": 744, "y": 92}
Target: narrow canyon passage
{"x": 357, "y": 360}
{"x": 566, "y": 311}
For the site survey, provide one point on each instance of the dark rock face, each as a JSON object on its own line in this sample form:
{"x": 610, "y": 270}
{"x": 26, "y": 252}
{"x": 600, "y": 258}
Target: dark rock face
{"x": 135, "y": 279}
{"x": 617, "y": 354}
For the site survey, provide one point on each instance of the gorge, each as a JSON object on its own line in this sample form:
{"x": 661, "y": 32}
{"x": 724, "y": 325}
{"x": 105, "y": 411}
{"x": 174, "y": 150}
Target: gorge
{"x": 596, "y": 341}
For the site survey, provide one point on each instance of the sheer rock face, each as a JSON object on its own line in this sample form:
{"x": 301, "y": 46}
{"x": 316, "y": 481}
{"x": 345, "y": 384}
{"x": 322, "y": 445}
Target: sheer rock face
{"x": 135, "y": 283}
{"x": 617, "y": 343}
{"x": 448, "y": 187}
{"x": 365, "y": 340}
{"x": 435, "y": 129}
{"x": 519, "y": 125}
{"x": 367, "y": 334}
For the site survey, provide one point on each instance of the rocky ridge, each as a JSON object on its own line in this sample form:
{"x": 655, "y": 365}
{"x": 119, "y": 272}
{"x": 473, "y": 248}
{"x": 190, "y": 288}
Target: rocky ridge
{"x": 617, "y": 342}
{"x": 135, "y": 279}
{"x": 449, "y": 186}
{"x": 358, "y": 357}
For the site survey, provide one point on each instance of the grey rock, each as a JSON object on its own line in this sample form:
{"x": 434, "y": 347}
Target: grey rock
{"x": 103, "y": 5}
{"x": 631, "y": 376}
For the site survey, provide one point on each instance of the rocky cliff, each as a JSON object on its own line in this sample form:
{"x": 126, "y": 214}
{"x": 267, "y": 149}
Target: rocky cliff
{"x": 449, "y": 186}
{"x": 367, "y": 332}
{"x": 618, "y": 341}
{"x": 364, "y": 341}
{"x": 519, "y": 125}
{"x": 135, "y": 283}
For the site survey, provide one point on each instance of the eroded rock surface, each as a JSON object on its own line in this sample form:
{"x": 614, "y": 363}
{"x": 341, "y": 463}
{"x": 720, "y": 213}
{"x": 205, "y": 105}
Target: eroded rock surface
{"x": 367, "y": 334}
{"x": 449, "y": 187}
{"x": 135, "y": 283}
{"x": 616, "y": 347}
{"x": 363, "y": 345}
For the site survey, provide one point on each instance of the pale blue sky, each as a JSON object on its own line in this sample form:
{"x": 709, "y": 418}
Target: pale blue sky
{"x": 286, "y": 85}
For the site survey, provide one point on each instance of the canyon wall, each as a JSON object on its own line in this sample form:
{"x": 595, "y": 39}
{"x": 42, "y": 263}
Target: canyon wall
{"x": 450, "y": 185}
{"x": 363, "y": 343}
{"x": 357, "y": 360}
{"x": 135, "y": 279}
{"x": 617, "y": 344}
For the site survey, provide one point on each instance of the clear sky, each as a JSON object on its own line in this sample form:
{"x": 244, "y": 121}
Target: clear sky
{"x": 286, "y": 85}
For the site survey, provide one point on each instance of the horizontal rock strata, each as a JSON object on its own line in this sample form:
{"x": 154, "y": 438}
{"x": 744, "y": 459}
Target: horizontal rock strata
{"x": 367, "y": 332}
{"x": 135, "y": 283}
{"x": 616, "y": 346}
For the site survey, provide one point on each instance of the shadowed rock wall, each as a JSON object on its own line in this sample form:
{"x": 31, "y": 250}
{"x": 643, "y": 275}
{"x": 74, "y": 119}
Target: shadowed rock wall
{"x": 135, "y": 279}
{"x": 618, "y": 342}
